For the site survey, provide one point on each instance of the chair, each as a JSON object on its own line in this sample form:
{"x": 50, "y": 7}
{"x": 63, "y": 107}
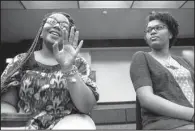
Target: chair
{"x": 14, "y": 120}
{"x": 138, "y": 115}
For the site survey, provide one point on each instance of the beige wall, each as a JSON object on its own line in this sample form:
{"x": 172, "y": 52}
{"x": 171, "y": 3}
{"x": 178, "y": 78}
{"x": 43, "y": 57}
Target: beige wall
{"x": 112, "y": 71}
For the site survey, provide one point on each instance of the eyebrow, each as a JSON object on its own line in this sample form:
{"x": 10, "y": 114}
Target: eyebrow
{"x": 59, "y": 21}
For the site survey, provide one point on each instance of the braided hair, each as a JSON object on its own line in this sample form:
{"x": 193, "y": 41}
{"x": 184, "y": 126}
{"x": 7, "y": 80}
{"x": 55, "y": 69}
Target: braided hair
{"x": 36, "y": 45}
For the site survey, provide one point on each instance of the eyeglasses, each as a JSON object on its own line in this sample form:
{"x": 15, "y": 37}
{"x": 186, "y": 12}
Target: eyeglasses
{"x": 156, "y": 28}
{"x": 53, "y": 22}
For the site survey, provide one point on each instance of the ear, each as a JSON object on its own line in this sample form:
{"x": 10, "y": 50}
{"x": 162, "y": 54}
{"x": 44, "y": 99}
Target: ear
{"x": 146, "y": 39}
{"x": 170, "y": 35}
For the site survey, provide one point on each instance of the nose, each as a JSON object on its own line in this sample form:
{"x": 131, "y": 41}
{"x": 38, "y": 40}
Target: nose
{"x": 153, "y": 31}
{"x": 57, "y": 25}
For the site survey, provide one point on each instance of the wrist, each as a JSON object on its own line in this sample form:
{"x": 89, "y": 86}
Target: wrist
{"x": 70, "y": 71}
{"x": 67, "y": 69}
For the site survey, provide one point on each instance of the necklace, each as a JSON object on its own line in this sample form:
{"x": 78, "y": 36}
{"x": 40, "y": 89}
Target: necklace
{"x": 169, "y": 64}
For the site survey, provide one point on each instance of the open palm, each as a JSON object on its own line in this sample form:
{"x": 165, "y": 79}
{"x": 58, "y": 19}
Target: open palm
{"x": 69, "y": 51}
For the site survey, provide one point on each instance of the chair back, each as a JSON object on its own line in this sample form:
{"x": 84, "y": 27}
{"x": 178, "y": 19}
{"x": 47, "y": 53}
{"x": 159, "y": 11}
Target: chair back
{"x": 138, "y": 115}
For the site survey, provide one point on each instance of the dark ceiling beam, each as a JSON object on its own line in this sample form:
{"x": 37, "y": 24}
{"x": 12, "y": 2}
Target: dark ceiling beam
{"x": 130, "y": 43}
{"x": 78, "y": 5}
{"x": 22, "y": 4}
{"x": 25, "y": 44}
{"x": 183, "y": 4}
{"x": 132, "y": 4}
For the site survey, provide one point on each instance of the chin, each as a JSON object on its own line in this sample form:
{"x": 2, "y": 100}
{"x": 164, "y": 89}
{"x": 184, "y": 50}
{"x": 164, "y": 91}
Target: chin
{"x": 51, "y": 39}
{"x": 156, "y": 46}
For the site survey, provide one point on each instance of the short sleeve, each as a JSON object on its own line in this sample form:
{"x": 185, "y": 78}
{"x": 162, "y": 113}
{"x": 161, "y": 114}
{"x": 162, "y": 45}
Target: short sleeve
{"x": 85, "y": 71}
{"x": 139, "y": 71}
{"x": 14, "y": 80}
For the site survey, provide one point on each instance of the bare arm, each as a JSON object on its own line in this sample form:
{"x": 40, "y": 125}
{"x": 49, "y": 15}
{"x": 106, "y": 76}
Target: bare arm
{"x": 162, "y": 106}
{"x": 9, "y": 94}
{"x": 81, "y": 94}
{"x": 9, "y": 101}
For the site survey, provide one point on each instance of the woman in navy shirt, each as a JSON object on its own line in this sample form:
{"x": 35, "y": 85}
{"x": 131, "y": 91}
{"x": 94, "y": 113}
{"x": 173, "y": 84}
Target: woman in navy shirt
{"x": 164, "y": 83}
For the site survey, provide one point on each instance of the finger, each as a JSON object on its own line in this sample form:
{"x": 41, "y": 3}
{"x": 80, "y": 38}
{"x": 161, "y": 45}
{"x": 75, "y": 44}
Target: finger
{"x": 65, "y": 35}
{"x": 55, "y": 47}
{"x": 79, "y": 47}
{"x": 64, "y": 39}
{"x": 61, "y": 44}
{"x": 71, "y": 37}
{"x": 76, "y": 38}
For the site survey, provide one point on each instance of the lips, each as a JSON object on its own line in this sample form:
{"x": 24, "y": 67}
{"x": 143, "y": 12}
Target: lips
{"x": 56, "y": 33}
{"x": 154, "y": 38}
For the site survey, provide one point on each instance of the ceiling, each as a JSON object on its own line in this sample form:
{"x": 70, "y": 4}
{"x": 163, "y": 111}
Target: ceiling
{"x": 95, "y": 20}
{"x": 94, "y": 4}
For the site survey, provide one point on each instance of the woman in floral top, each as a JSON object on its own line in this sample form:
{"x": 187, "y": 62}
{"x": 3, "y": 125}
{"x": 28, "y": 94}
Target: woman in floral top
{"x": 51, "y": 80}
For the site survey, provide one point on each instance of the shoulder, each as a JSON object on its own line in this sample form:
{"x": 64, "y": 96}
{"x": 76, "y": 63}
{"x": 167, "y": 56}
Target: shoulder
{"x": 16, "y": 59}
{"x": 183, "y": 60}
{"x": 138, "y": 61}
{"x": 179, "y": 58}
{"x": 139, "y": 56}
{"x": 139, "y": 53}
{"x": 12, "y": 66}
{"x": 20, "y": 56}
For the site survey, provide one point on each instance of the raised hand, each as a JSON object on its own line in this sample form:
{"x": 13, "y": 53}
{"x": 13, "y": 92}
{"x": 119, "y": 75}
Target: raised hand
{"x": 69, "y": 51}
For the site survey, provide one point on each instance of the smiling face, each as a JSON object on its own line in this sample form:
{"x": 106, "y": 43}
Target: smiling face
{"x": 53, "y": 29}
{"x": 157, "y": 35}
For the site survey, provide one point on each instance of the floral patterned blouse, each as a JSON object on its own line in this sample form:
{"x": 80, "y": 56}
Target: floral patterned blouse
{"x": 43, "y": 90}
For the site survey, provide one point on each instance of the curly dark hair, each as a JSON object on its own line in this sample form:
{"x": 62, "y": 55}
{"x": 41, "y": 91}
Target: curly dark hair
{"x": 169, "y": 20}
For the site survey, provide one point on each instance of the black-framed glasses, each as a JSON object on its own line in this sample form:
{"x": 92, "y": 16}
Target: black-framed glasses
{"x": 52, "y": 21}
{"x": 156, "y": 28}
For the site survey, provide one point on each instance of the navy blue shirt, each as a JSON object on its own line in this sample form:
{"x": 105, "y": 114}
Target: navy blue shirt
{"x": 147, "y": 71}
